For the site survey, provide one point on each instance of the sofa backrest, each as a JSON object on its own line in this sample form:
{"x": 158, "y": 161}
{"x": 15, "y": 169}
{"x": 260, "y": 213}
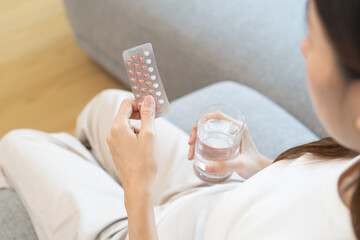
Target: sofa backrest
{"x": 196, "y": 43}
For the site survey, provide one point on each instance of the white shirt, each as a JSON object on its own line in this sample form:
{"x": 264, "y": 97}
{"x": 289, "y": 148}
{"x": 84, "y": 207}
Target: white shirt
{"x": 289, "y": 200}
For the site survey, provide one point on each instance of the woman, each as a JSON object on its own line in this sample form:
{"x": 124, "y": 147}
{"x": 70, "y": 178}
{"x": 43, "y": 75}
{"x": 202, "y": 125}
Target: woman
{"x": 313, "y": 193}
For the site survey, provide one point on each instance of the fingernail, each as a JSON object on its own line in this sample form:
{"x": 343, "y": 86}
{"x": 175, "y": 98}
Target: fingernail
{"x": 149, "y": 100}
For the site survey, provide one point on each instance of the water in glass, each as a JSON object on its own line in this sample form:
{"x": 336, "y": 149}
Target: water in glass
{"x": 217, "y": 139}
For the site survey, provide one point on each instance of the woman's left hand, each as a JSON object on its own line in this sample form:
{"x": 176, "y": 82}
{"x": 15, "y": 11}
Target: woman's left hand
{"x": 132, "y": 149}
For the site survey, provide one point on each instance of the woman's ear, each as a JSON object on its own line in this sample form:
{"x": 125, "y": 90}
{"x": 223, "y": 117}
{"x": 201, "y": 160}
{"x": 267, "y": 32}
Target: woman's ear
{"x": 355, "y": 101}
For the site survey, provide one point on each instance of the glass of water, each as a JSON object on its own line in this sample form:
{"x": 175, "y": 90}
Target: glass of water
{"x": 219, "y": 132}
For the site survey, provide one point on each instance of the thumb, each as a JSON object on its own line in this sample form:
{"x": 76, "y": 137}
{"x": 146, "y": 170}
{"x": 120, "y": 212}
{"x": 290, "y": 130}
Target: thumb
{"x": 148, "y": 113}
{"x": 224, "y": 166}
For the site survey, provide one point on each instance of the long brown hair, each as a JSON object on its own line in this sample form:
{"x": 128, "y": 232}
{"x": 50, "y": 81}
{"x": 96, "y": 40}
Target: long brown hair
{"x": 341, "y": 20}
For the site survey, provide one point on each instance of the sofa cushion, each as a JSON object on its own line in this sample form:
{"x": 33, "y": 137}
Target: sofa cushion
{"x": 14, "y": 220}
{"x": 273, "y": 129}
{"x": 196, "y": 43}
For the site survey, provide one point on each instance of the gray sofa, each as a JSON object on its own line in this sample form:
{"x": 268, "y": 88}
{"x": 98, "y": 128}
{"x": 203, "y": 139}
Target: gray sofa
{"x": 198, "y": 43}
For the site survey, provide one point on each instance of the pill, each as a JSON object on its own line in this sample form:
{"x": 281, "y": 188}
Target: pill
{"x": 150, "y": 69}
{"x": 148, "y": 83}
{"x": 131, "y": 71}
{"x": 157, "y": 107}
{"x": 134, "y": 57}
{"x": 146, "y": 75}
{"x": 138, "y": 96}
{"x": 136, "y": 65}
{"x": 133, "y": 80}
{"x": 138, "y": 73}
{"x": 155, "y": 99}
{"x": 141, "y": 81}
{"x": 161, "y": 101}
{"x": 151, "y": 91}
{"x": 146, "y": 53}
{"x": 153, "y": 77}
{"x": 148, "y": 61}
{"x": 144, "y": 67}
{"x": 143, "y": 90}
{"x": 129, "y": 64}
{"x": 136, "y": 88}
{"x": 155, "y": 85}
{"x": 142, "y": 59}
{"x": 158, "y": 93}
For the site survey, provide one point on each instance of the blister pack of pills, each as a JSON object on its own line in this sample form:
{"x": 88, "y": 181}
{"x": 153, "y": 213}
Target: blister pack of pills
{"x": 144, "y": 77}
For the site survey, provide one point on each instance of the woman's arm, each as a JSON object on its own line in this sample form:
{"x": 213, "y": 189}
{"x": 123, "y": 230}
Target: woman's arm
{"x": 141, "y": 219}
{"x": 132, "y": 150}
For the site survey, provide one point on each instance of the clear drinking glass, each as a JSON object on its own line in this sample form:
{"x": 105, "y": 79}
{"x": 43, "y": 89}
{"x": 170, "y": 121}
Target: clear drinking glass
{"x": 219, "y": 132}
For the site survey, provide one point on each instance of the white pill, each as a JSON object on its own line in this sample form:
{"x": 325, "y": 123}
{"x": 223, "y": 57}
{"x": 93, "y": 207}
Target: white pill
{"x": 148, "y": 61}
{"x": 150, "y": 69}
{"x": 161, "y": 101}
{"x": 158, "y": 93}
{"x": 153, "y": 77}
{"x": 155, "y": 85}
{"x": 146, "y": 53}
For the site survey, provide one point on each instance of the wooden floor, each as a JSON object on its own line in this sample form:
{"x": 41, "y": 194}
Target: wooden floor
{"x": 45, "y": 79}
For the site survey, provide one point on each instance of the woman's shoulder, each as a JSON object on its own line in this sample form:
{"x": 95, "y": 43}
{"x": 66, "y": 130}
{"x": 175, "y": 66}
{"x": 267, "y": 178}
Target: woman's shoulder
{"x": 344, "y": 172}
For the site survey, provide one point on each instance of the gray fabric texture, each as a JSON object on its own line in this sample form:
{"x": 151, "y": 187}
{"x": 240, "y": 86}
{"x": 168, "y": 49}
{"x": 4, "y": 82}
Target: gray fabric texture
{"x": 14, "y": 220}
{"x": 196, "y": 43}
{"x": 273, "y": 129}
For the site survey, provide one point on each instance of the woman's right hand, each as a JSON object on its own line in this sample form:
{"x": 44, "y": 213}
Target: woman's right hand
{"x": 248, "y": 162}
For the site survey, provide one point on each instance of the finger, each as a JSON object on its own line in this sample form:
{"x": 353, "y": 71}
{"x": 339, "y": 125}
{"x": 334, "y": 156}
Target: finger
{"x": 224, "y": 167}
{"x": 127, "y": 107}
{"x": 191, "y": 152}
{"x": 220, "y": 115}
{"x": 136, "y": 130}
{"x": 148, "y": 113}
{"x": 135, "y": 115}
{"x": 136, "y": 110}
{"x": 247, "y": 141}
{"x": 193, "y": 135}
{"x": 215, "y": 114}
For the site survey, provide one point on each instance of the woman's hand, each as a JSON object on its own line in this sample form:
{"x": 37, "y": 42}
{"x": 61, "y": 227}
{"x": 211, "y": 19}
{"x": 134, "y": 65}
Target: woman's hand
{"x": 248, "y": 162}
{"x": 132, "y": 149}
